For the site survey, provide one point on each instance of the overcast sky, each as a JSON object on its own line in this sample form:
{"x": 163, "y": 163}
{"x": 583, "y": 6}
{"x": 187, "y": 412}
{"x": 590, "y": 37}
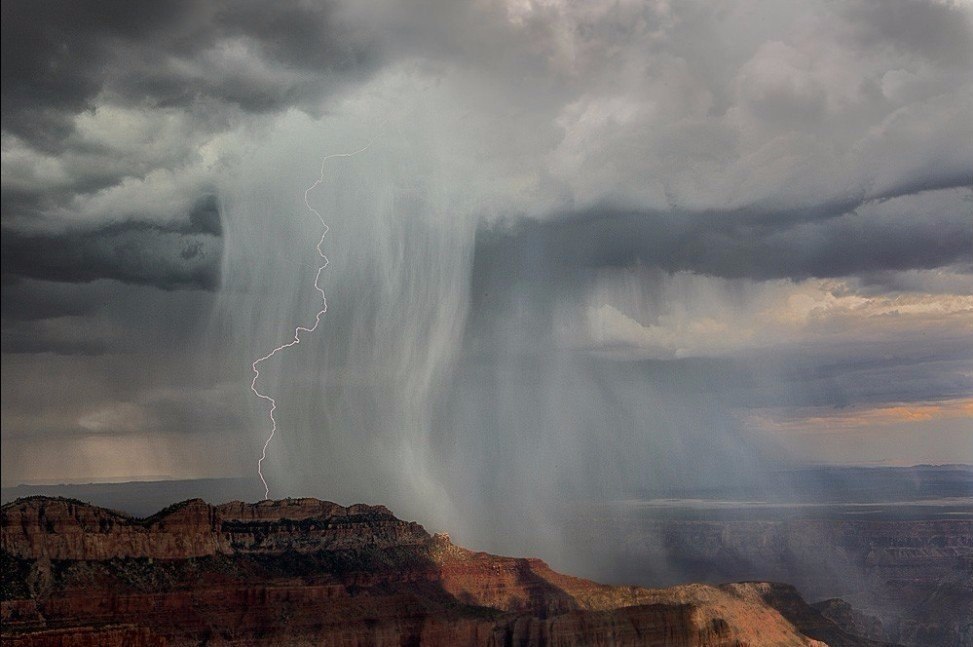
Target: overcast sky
{"x": 642, "y": 239}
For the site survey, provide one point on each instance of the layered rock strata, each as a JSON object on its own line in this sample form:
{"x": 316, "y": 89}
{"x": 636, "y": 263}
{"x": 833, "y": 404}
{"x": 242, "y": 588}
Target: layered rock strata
{"x": 303, "y": 571}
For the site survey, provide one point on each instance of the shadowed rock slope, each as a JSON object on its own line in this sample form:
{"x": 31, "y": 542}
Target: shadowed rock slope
{"x": 303, "y": 571}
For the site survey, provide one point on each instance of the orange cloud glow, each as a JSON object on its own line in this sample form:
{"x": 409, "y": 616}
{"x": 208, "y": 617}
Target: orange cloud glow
{"x": 858, "y": 418}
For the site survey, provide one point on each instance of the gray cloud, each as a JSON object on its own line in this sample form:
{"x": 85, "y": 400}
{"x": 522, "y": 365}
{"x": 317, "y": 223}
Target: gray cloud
{"x": 22, "y": 301}
{"x": 937, "y": 31}
{"x": 57, "y": 58}
{"x": 27, "y": 340}
{"x": 954, "y": 279}
{"x": 871, "y": 373}
{"x": 107, "y": 318}
{"x": 194, "y": 68}
{"x": 924, "y": 230}
{"x": 183, "y": 256}
{"x": 583, "y": 237}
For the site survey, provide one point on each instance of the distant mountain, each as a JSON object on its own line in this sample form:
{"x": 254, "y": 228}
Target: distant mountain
{"x": 312, "y": 572}
{"x": 838, "y": 484}
{"x": 811, "y": 484}
{"x": 142, "y": 497}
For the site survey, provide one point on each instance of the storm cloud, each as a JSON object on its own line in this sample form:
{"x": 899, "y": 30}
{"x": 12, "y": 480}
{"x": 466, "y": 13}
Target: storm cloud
{"x": 60, "y": 60}
{"x": 129, "y": 252}
{"x": 584, "y": 247}
{"x": 916, "y": 232}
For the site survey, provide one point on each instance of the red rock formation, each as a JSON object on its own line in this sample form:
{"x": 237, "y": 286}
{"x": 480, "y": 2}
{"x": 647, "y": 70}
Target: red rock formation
{"x": 302, "y": 570}
{"x": 110, "y": 636}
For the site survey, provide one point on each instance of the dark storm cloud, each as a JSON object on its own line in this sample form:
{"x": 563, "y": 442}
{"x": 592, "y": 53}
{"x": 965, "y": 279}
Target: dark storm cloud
{"x": 302, "y": 35}
{"x": 821, "y": 243}
{"x": 25, "y": 300}
{"x": 128, "y": 252}
{"x": 209, "y": 61}
{"x": 58, "y": 57}
{"x": 55, "y": 288}
{"x": 120, "y": 331}
{"x": 176, "y": 256}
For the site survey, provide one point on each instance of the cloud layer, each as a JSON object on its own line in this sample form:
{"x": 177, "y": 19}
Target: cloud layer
{"x": 644, "y": 239}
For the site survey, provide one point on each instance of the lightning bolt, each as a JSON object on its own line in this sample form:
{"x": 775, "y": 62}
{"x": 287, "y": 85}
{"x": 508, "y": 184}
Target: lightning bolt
{"x": 299, "y": 329}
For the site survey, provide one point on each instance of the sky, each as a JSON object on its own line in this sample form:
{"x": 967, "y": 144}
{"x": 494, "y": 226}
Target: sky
{"x": 589, "y": 248}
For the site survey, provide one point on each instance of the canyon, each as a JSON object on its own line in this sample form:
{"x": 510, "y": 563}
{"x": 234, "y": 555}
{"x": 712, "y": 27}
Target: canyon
{"x": 907, "y": 580}
{"x": 304, "y": 571}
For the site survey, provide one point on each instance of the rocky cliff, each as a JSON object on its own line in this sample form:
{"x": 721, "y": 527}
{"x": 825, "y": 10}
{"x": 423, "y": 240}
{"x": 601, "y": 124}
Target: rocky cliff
{"x": 62, "y": 529}
{"x": 302, "y": 571}
{"x": 909, "y": 580}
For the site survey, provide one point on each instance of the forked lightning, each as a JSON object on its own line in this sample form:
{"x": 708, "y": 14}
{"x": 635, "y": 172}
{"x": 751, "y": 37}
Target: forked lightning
{"x": 300, "y": 329}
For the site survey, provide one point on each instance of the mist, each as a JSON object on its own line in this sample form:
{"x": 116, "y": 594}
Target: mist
{"x": 455, "y": 377}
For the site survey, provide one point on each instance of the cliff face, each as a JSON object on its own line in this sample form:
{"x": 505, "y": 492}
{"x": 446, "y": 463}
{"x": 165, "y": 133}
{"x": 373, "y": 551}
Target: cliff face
{"x": 307, "y": 571}
{"x": 62, "y": 529}
{"x": 908, "y": 579}
{"x": 849, "y": 618}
